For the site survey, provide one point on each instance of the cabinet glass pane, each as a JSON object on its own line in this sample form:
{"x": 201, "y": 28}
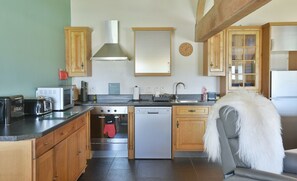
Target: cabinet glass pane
{"x": 250, "y": 81}
{"x": 237, "y": 80}
{"x": 250, "y": 40}
{"x": 250, "y": 53}
{"x": 249, "y": 67}
{"x": 237, "y": 68}
{"x": 237, "y": 40}
{"x": 243, "y": 56}
{"x": 237, "y": 53}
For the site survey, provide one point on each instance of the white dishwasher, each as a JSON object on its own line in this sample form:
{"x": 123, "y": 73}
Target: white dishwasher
{"x": 153, "y": 132}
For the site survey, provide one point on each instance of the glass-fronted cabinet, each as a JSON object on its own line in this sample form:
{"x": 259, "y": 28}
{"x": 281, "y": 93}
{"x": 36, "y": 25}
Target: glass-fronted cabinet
{"x": 243, "y": 57}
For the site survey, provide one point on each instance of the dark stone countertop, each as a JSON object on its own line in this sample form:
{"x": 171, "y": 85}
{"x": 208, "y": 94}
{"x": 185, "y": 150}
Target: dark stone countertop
{"x": 145, "y": 103}
{"x": 145, "y": 100}
{"x": 34, "y": 127}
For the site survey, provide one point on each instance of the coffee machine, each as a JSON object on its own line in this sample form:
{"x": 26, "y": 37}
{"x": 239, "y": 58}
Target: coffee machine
{"x": 84, "y": 91}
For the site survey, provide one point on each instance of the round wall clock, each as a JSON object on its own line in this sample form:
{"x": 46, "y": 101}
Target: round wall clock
{"x": 185, "y": 49}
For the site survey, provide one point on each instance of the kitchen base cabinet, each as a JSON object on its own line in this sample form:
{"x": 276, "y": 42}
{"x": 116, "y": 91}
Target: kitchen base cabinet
{"x": 45, "y": 166}
{"x": 131, "y": 133}
{"x": 16, "y": 160}
{"x": 60, "y": 161}
{"x": 76, "y": 154}
{"x": 189, "y": 127}
{"x": 81, "y": 150}
{"x": 189, "y": 134}
{"x": 60, "y": 155}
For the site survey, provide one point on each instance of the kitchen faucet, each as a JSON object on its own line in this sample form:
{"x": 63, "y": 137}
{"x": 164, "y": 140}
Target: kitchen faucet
{"x": 179, "y": 83}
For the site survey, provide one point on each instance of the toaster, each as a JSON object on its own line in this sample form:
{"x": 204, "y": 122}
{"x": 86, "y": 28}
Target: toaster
{"x": 38, "y": 106}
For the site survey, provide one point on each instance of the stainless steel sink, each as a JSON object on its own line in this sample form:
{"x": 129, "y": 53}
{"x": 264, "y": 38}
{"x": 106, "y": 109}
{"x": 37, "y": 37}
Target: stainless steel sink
{"x": 185, "y": 101}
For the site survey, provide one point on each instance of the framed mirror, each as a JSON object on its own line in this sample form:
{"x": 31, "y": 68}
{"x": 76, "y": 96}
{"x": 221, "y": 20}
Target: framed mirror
{"x": 152, "y": 51}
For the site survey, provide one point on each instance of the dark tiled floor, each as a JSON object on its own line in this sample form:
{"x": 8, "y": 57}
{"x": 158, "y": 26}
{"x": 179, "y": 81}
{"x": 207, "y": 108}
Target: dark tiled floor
{"x": 179, "y": 169}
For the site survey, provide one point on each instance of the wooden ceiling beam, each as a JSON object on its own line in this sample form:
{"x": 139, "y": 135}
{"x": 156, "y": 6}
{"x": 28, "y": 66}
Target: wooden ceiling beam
{"x": 223, "y": 14}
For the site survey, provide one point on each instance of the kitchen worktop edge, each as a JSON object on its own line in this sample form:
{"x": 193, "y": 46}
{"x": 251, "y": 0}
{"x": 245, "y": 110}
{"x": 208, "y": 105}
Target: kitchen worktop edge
{"x": 32, "y": 128}
{"x": 146, "y": 103}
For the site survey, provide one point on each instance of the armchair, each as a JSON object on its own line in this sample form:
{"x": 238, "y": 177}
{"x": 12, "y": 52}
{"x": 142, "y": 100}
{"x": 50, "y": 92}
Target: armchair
{"x": 236, "y": 169}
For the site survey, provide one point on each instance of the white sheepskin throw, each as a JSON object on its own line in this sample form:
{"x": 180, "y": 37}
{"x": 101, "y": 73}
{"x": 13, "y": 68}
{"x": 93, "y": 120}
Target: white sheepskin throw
{"x": 260, "y": 142}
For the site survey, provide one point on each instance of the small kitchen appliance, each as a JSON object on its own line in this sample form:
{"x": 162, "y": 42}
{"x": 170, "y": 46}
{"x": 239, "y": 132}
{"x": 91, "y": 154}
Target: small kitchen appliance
{"x": 11, "y": 109}
{"x": 211, "y": 96}
{"x": 84, "y": 91}
{"x": 62, "y": 96}
{"x": 38, "y": 106}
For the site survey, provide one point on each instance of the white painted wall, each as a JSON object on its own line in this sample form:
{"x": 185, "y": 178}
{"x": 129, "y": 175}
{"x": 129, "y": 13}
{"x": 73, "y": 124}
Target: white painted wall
{"x": 179, "y": 14}
{"x": 145, "y": 13}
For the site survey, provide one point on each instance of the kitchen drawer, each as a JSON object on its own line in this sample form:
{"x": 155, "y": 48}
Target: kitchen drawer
{"x": 80, "y": 121}
{"x": 44, "y": 143}
{"x": 64, "y": 131}
{"x": 191, "y": 110}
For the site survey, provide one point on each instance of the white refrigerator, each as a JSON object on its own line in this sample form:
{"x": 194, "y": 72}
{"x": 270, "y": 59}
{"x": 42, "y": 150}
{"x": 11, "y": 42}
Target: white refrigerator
{"x": 284, "y": 92}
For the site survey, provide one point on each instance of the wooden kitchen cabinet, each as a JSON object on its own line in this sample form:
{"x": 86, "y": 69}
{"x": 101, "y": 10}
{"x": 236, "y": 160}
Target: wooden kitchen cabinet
{"x": 131, "y": 132}
{"x": 76, "y": 153}
{"x": 189, "y": 127}
{"x": 69, "y": 155}
{"x": 45, "y": 166}
{"x": 279, "y": 50}
{"x": 61, "y": 161}
{"x": 244, "y": 59}
{"x": 214, "y": 55}
{"x": 48, "y": 157}
{"x": 78, "y": 51}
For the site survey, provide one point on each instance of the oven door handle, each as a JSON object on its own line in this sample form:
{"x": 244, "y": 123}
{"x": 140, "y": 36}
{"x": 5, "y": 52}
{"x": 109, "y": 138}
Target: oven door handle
{"x": 103, "y": 117}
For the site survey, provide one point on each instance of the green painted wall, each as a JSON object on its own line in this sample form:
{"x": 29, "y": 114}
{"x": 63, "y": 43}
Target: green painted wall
{"x": 32, "y": 46}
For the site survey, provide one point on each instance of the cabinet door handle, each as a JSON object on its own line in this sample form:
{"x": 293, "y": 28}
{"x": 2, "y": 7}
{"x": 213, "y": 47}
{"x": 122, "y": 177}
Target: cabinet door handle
{"x": 82, "y": 65}
{"x": 192, "y": 110}
{"x": 177, "y": 124}
{"x": 45, "y": 143}
{"x": 211, "y": 64}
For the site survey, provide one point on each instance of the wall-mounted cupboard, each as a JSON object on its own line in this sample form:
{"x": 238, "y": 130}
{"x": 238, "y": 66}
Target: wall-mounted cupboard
{"x": 243, "y": 57}
{"x": 152, "y": 51}
{"x": 78, "y": 51}
{"x": 214, "y": 55}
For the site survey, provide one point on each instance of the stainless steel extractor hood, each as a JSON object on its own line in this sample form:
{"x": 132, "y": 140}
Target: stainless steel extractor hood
{"x": 111, "y": 50}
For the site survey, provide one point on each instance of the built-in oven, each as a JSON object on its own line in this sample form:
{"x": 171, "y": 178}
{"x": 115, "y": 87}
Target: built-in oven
{"x": 109, "y": 125}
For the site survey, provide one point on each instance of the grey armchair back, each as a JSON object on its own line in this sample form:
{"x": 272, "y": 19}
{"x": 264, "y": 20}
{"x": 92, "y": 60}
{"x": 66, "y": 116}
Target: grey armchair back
{"x": 233, "y": 167}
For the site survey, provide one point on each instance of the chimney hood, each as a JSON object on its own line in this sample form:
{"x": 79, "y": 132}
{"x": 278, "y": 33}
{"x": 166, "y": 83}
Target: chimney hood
{"x": 111, "y": 50}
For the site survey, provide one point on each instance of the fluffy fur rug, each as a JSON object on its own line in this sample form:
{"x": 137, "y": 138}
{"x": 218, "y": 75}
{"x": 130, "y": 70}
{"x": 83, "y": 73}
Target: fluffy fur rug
{"x": 260, "y": 142}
